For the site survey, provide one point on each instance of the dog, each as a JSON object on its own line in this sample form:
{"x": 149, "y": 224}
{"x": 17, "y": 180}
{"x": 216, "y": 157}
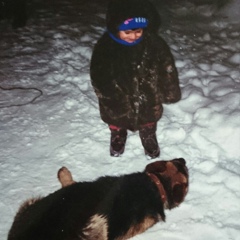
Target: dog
{"x": 109, "y": 208}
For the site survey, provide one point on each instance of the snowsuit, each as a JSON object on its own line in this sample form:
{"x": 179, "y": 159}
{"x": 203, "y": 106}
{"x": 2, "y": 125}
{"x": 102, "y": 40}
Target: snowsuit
{"x": 132, "y": 82}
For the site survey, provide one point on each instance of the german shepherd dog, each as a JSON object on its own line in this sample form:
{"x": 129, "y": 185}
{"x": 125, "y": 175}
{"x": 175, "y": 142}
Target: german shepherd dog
{"x": 109, "y": 208}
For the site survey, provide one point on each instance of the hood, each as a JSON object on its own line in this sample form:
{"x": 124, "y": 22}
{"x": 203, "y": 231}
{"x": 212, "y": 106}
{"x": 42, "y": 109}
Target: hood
{"x": 120, "y": 10}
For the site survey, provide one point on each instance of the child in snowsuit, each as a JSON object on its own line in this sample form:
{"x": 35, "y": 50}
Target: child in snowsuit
{"x": 133, "y": 73}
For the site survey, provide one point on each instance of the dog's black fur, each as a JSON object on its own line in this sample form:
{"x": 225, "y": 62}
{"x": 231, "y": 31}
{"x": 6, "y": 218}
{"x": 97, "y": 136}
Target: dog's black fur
{"x": 106, "y": 209}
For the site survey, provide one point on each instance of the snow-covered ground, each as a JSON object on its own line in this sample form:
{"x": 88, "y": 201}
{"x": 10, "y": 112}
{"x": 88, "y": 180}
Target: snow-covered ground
{"x": 49, "y": 113}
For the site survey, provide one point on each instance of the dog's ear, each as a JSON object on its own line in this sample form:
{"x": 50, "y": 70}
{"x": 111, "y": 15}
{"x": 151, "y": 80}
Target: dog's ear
{"x": 158, "y": 166}
{"x": 179, "y": 192}
{"x": 161, "y": 166}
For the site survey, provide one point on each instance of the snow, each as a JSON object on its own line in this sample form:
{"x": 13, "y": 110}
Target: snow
{"x": 49, "y": 112}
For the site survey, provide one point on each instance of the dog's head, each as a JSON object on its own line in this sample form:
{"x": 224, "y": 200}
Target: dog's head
{"x": 173, "y": 175}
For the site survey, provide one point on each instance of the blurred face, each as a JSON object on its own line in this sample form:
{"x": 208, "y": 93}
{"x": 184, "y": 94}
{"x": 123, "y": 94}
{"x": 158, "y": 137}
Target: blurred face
{"x": 131, "y": 35}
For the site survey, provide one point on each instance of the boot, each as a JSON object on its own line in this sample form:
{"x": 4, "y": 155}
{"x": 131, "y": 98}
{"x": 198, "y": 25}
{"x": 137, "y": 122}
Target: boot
{"x": 118, "y": 140}
{"x": 148, "y": 137}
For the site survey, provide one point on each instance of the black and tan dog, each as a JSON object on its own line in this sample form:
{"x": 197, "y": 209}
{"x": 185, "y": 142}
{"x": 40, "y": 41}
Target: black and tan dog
{"x": 110, "y": 208}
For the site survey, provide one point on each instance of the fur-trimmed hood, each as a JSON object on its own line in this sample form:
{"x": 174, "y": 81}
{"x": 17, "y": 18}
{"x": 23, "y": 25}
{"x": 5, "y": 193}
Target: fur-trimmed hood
{"x": 120, "y": 10}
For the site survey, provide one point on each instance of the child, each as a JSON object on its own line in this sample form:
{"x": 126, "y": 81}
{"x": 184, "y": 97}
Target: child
{"x": 133, "y": 73}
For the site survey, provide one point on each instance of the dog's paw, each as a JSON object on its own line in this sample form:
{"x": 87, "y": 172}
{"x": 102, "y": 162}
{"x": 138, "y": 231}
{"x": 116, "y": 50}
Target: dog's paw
{"x": 65, "y": 177}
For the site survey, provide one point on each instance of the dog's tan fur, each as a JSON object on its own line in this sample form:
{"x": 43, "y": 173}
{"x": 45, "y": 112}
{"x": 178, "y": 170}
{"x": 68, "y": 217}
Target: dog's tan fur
{"x": 96, "y": 229}
{"x": 137, "y": 229}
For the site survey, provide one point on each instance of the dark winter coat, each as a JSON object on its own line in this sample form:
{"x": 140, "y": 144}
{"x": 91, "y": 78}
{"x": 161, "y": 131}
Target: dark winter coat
{"x": 132, "y": 82}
